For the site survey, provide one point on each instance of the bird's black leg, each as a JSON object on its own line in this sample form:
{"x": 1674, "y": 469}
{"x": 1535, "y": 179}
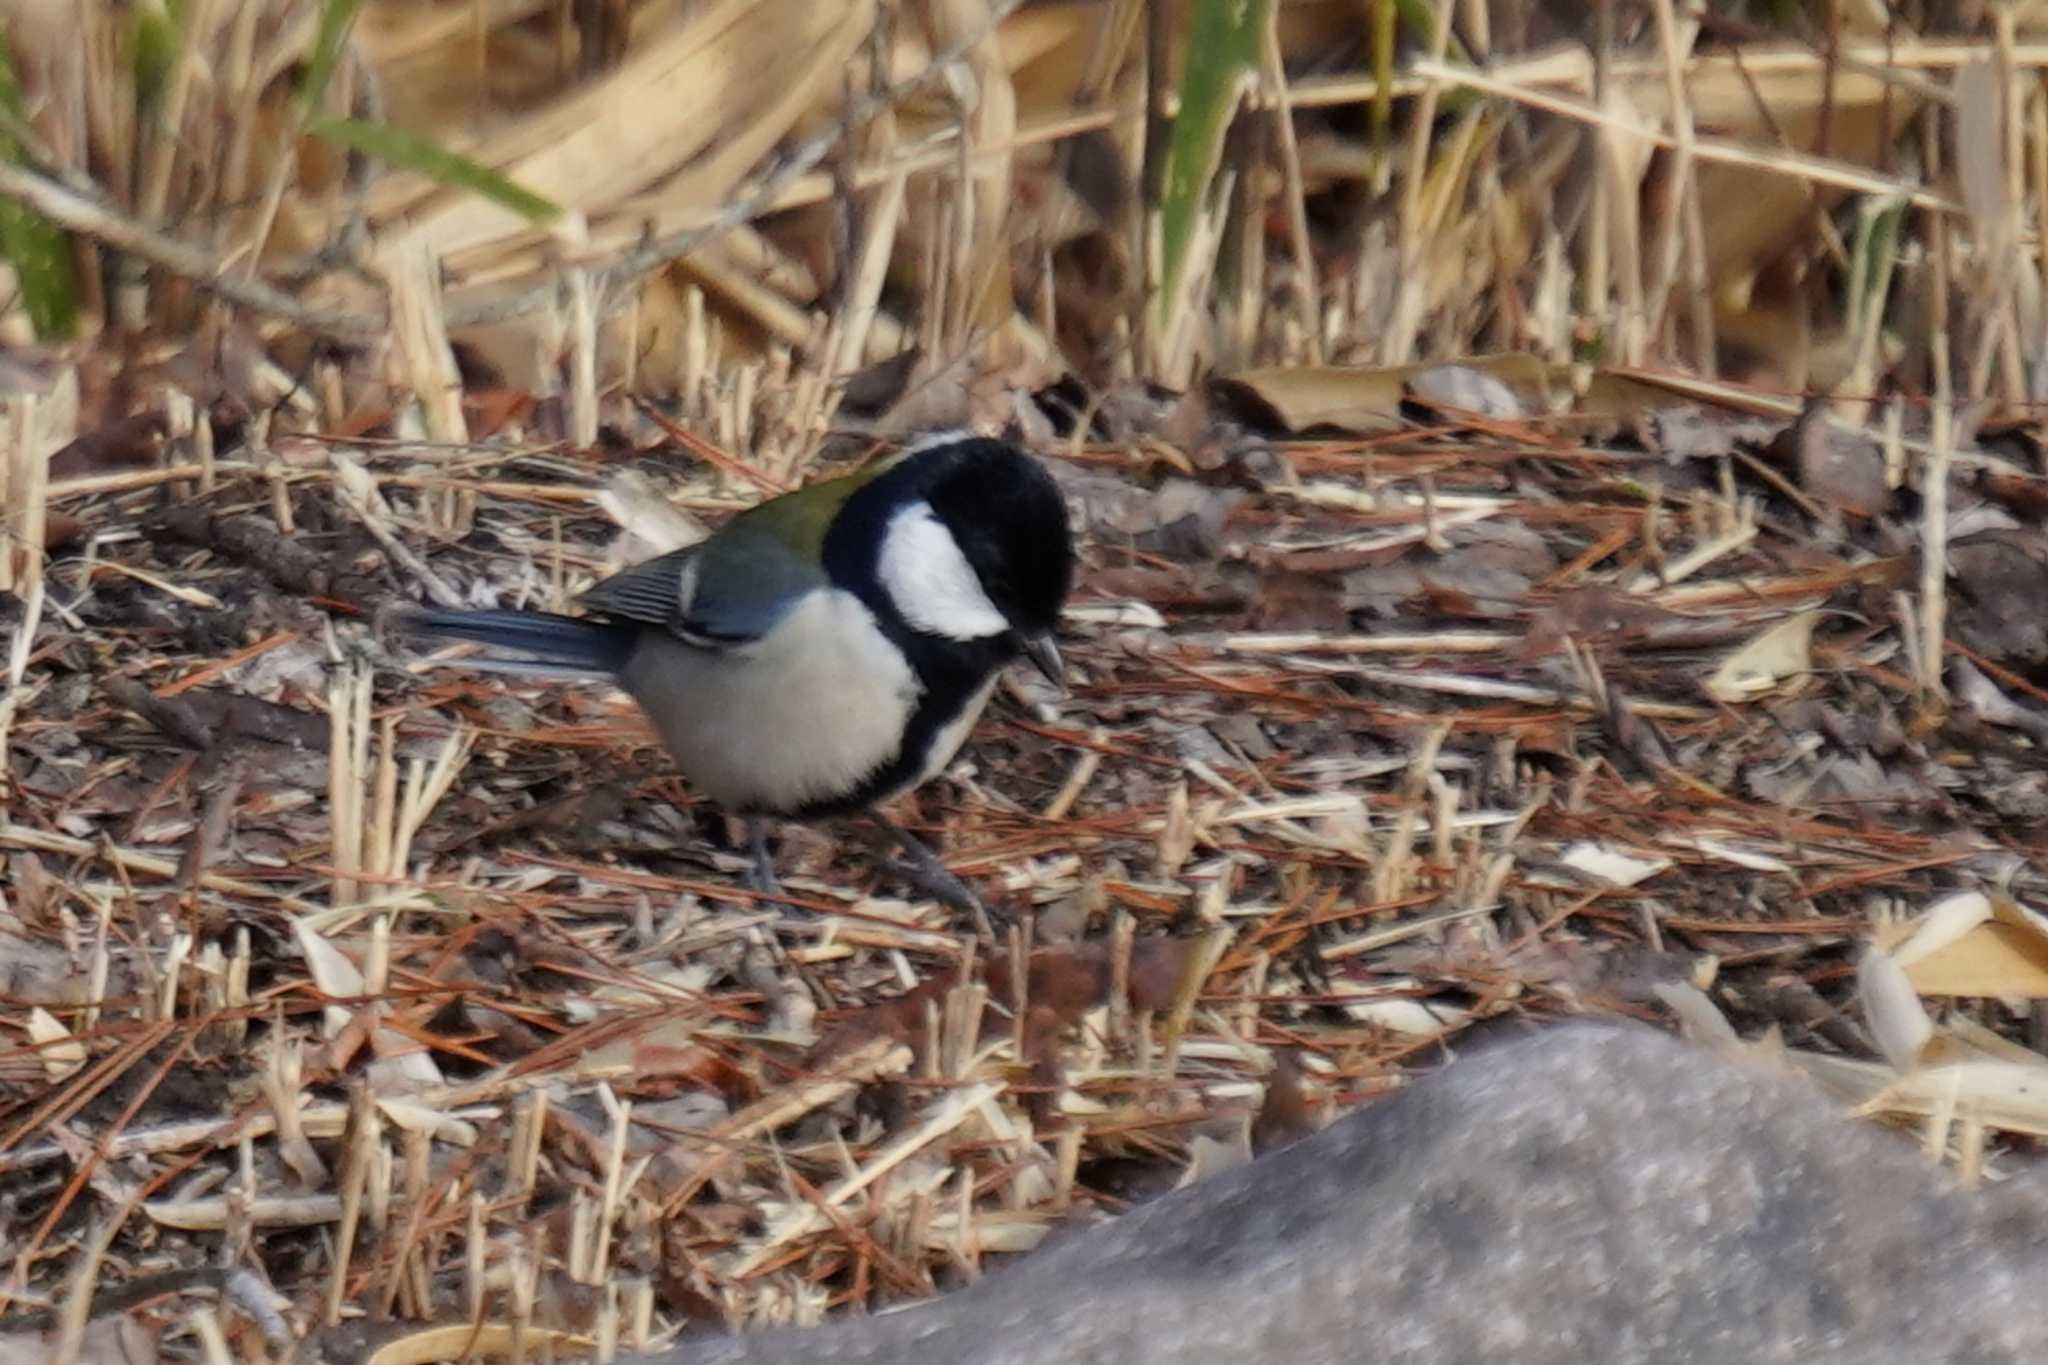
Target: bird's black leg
{"x": 924, "y": 871}
{"x": 761, "y": 876}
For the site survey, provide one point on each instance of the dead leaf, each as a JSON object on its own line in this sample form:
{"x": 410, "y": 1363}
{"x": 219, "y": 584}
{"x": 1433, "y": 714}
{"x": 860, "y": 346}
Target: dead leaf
{"x": 868, "y": 393}
{"x": 488, "y": 1339}
{"x": 663, "y": 1052}
{"x": 1466, "y": 388}
{"x": 1947, "y": 920}
{"x": 2001, "y": 599}
{"x": 1976, "y": 693}
{"x": 129, "y": 443}
{"x": 1837, "y": 468}
{"x": 2024, "y": 496}
{"x": 653, "y": 525}
{"x": 1295, "y": 399}
{"x": 1973, "y": 945}
{"x": 1785, "y": 650}
{"x": 1591, "y": 613}
{"x": 1613, "y": 866}
{"x": 1288, "y": 1112}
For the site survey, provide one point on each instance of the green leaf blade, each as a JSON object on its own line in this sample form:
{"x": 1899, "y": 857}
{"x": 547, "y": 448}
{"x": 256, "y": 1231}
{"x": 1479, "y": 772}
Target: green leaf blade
{"x": 1222, "y": 57}
{"x": 337, "y": 17}
{"x": 38, "y": 249}
{"x": 411, "y": 152}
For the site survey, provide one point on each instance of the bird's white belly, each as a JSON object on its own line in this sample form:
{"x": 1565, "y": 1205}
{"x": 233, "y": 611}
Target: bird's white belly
{"x": 798, "y": 717}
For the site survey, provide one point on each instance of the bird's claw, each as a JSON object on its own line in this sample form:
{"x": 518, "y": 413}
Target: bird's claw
{"x": 922, "y": 869}
{"x": 941, "y": 884}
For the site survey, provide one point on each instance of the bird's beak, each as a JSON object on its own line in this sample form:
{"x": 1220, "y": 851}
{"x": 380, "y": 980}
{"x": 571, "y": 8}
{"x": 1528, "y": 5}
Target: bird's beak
{"x": 1045, "y": 657}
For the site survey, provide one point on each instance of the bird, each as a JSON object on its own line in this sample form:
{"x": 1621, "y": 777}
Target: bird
{"x": 829, "y": 649}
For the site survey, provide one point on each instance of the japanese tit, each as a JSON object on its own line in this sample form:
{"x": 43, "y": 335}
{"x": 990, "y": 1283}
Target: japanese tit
{"x": 831, "y": 648}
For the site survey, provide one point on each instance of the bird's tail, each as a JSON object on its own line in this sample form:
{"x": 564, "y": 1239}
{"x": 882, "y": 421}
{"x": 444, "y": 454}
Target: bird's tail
{"x": 547, "y": 644}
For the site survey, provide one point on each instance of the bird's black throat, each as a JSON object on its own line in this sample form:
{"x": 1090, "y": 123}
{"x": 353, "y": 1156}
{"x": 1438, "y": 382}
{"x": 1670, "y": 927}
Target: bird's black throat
{"x": 950, "y": 672}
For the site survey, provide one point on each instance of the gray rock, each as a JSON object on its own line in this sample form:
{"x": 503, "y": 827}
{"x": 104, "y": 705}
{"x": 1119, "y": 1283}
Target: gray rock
{"x": 1588, "y": 1194}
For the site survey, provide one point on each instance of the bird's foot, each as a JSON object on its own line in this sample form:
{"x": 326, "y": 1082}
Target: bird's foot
{"x": 922, "y": 869}
{"x": 760, "y": 877}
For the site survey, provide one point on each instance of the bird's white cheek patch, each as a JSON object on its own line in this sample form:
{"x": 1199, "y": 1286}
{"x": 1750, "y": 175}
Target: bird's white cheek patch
{"x": 930, "y": 580}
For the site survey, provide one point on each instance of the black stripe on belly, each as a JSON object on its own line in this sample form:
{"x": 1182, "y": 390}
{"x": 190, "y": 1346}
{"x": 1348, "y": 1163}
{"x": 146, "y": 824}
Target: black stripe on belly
{"x": 951, "y": 672}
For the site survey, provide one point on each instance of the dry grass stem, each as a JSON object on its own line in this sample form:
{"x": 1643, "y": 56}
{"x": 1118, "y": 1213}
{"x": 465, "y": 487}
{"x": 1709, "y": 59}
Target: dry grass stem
{"x": 1569, "y": 544}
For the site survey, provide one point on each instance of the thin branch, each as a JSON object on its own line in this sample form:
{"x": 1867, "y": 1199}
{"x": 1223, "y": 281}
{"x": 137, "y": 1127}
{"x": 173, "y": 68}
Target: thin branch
{"x": 83, "y": 214}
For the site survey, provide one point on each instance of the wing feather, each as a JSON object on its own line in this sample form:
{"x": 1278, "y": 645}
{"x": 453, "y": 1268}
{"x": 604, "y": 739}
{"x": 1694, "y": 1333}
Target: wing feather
{"x": 730, "y": 590}
{"x": 733, "y": 588}
{"x": 652, "y": 592}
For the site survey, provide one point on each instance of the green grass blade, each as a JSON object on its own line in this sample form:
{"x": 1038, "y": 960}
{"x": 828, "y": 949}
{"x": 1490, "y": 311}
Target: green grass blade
{"x": 1419, "y": 18}
{"x": 37, "y": 249}
{"x": 152, "y": 47}
{"x": 1872, "y": 258}
{"x": 1222, "y": 57}
{"x": 411, "y": 152}
{"x": 337, "y": 17}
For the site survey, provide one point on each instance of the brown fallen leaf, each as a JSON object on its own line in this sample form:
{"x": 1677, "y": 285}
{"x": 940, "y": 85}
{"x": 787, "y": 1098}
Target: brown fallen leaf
{"x": 1780, "y": 652}
{"x": 489, "y": 1340}
{"x": 1972, "y": 945}
{"x": 868, "y": 393}
{"x": 1363, "y": 400}
{"x": 132, "y": 442}
{"x": 1289, "y": 1111}
{"x": 2001, "y": 597}
{"x": 1836, "y": 468}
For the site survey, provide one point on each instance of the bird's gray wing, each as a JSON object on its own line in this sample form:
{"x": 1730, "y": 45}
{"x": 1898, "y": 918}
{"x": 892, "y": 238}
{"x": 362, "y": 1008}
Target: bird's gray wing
{"x": 650, "y": 592}
{"x": 729, "y": 590}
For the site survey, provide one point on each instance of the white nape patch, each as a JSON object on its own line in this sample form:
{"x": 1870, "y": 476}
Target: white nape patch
{"x": 932, "y": 440}
{"x": 930, "y": 581}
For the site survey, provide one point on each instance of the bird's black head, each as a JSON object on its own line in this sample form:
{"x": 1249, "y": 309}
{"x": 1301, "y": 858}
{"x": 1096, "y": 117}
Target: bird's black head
{"x": 1010, "y": 521}
{"x": 962, "y": 550}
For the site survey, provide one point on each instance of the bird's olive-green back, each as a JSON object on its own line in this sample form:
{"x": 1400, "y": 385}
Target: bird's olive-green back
{"x": 745, "y": 576}
{"x": 799, "y": 520}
